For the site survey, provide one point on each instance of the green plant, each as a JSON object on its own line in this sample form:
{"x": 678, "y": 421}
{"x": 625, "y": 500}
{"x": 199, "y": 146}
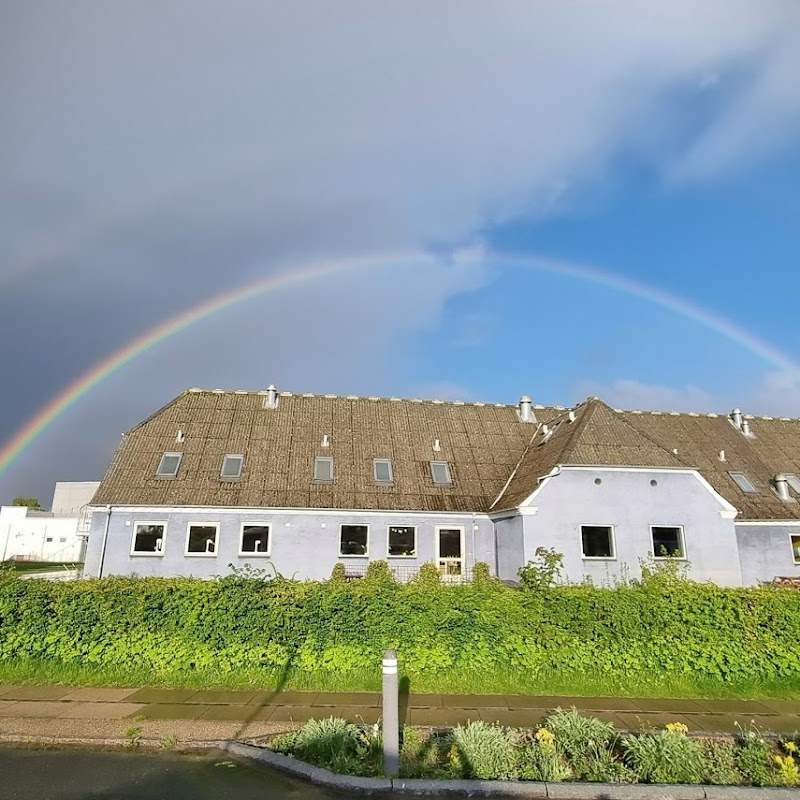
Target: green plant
{"x": 133, "y": 736}
{"x": 667, "y": 756}
{"x": 338, "y": 573}
{"x": 285, "y": 743}
{"x": 587, "y": 744}
{"x": 169, "y": 742}
{"x": 379, "y": 572}
{"x": 543, "y": 571}
{"x": 427, "y": 577}
{"x": 538, "y": 758}
{"x": 788, "y": 769}
{"x": 482, "y": 574}
{"x": 754, "y": 758}
{"x": 484, "y": 751}
{"x": 720, "y": 759}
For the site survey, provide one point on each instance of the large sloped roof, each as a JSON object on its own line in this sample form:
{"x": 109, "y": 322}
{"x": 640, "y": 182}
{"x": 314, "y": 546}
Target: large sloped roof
{"x": 481, "y": 442}
{"x": 495, "y": 459}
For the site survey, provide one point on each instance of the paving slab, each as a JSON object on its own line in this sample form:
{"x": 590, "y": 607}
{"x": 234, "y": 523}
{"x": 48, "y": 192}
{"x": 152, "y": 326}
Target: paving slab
{"x": 31, "y": 708}
{"x": 38, "y": 692}
{"x": 238, "y": 713}
{"x": 346, "y": 699}
{"x": 161, "y": 695}
{"x": 296, "y": 715}
{"x": 441, "y": 716}
{"x": 172, "y": 711}
{"x": 6, "y": 688}
{"x": 275, "y": 698}
{"x": 667, "y": 705}
{"x": 474, "y": 701}
{"x": 233, "y": 697}
{"x": 422, "y": 700}
{"x": 517, "y": 718}
{"x": 721, "y": 722}
{"x": 782, "y": 706}
{"x": 78, "y": 710}
{"x": 648, "y": 721}
{"x": 734, "y": 706}
{"x": 781, "y": 723}
{"x": 99, "y": 695}
{"x": 534, "y": 701}
{"x": 600, "y": 703}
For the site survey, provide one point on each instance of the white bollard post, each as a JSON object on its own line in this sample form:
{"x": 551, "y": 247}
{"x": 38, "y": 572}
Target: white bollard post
{"x": 391, "y": 714}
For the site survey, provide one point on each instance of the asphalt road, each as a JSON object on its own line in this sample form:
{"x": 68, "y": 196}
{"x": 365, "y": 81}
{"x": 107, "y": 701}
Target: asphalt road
{"x": 46, "y": 774}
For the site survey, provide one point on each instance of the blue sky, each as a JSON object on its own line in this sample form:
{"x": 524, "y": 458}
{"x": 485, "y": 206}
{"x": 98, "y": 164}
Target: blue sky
{"x": 153, "y": 157}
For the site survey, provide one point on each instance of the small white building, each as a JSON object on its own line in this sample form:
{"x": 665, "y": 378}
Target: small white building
{"x": 55, "y": 535}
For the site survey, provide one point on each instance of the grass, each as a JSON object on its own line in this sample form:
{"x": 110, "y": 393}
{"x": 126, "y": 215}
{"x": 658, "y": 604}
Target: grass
{"x": 450, "y": 682}
{"x": 40, "y": 566}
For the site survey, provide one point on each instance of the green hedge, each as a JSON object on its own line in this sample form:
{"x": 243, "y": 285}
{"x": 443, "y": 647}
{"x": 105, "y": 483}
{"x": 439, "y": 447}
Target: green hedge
{"x": 239, "y": 623}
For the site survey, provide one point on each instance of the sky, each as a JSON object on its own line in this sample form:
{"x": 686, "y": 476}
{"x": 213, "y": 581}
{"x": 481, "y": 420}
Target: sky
{"x": 455, "y": 200}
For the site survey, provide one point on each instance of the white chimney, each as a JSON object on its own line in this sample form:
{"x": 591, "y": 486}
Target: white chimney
{"x": 271, "y": 400}
{"x": 524, "y": 410}
{"x": 746, "y": 428}
{"x": 721, "y": 455}
{"x": 437, "y": 447}
{"x": 736, "y": 417}
{"x": 782, "y": 486}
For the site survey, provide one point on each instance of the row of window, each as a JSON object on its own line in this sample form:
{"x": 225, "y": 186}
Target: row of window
{"x": 233, "y": 463}
{"x": 746, "y": 485}
{"x": 149, "y": 539}
{"x": 597, "y": 541}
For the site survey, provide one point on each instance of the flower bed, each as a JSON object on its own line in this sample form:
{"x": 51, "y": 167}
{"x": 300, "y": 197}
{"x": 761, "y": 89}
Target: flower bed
{"x": 567, "y": 747}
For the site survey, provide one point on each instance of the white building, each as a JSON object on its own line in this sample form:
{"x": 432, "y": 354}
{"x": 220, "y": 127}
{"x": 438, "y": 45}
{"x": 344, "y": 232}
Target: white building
{"x": 55, "y": 535}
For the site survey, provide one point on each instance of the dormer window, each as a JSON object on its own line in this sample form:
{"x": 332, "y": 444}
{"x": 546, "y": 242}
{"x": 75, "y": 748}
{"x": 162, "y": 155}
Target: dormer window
{"x": 168, "y": 468}
{"x": 743, "y": 482}
{"x": 382, "y": 467}
{"x": 440, "y": 471}
{"x": 793, "y": 482}
{"x": 232, "y": 466}
{"x": 323, "y": 469}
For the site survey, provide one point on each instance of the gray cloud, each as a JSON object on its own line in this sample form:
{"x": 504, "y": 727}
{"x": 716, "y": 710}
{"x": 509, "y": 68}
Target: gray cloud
{"x": 154, "y": 153}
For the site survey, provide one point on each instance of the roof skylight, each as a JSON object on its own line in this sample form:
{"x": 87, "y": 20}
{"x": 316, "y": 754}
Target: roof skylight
{"x": 743, "y": 482}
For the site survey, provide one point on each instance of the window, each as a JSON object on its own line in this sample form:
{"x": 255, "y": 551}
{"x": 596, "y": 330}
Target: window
{"x": 383, "y": 470}
{"x": 49, "y": 539}
{"x": 440, "y": 470}
{"x": 148, "y": 538}
{"x": 743, "y": 482}
{"x": 793, "y": 481}
{"x": 255, "y": 539}
{"x": 795, "y": 539}
{"x": 323, "y": 469}
{"x": 597, "y": 541}
{"x": 232, "y": 466}
{"x": 353, "y": 540}
{"x": 402, "y": 540}
{"x": 168, "y": 468}
{"x": 63, "y": 539}
{"x": 201, "y": 540}
{"x": 667, "y": 541}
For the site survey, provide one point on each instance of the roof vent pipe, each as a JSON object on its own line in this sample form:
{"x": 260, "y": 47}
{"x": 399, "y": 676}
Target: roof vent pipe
{"x": 524, "y": 410}
{"x": 746, "y": 428}
{"x": 721, "y": 455}
{"x": 271, "y": 400}
{"x": 736, "y": 417}
{"x": 782, "y": 486}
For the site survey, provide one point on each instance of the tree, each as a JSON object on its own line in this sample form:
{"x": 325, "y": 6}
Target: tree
{"x": 30, "y": 502}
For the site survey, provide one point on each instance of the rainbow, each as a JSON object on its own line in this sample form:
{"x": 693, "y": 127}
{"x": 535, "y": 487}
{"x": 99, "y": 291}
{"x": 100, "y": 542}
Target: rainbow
{"x": 115, "y": 361}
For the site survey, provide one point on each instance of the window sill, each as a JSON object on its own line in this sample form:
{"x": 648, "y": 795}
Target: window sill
{"x": 670, "y": 558}
{"x": 599, "y": 558}
{"x": 166, "y": 477}
{"x": 147, "y": 555}
{"x": 200, "y": 555}
{"x": 414, "y": 555}
{"x": 352, "y": 555}
{"x": 254, "y": 555}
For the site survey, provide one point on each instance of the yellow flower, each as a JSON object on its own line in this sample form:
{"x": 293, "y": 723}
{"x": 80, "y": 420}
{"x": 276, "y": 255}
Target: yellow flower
{"x": 677, "y": 727}
{"x": 544, "y": 736}
{"x": 790, "y": 747}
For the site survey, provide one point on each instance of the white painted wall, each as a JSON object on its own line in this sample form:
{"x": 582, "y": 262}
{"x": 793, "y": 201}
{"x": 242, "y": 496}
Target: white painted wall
{"x": 38, "y": 536}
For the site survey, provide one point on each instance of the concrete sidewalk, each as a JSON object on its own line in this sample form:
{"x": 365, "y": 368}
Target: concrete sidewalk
{"x": 205, "y": 715}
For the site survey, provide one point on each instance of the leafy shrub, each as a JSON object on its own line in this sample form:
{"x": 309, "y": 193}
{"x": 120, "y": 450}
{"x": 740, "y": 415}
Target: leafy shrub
{"x": 667, "y": 756}
{"x": 788, "y": 769}
{"x": 543, "y": 571}
{"x": 754, "y": 759}
{"x": 482, "y": 574}
{"x": 484, "y": 751}
{"x": 587, "y": 743}
{"x": 720, "y": 759}
{"x": 428, "y": 576}
{"x": 539, "y": 760}
{"x": 379, "y": 572}
{"x": 338, "y": 573}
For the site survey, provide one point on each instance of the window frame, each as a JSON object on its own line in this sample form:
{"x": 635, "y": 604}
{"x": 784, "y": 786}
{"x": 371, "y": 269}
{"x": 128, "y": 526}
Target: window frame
{"x": 612, "y": 538}
{"x": 684, "y": 555}
{"x": 793, "y": 481}
{"x": 795, "y": 555}
{"x": 199, "y": 524}
{"x": 172, "y": 475}
{"x": 388, "y": 462}
{"x": 144, "y": 553}
{"x": 319, "y": 460}
{"x": 256, "y": 553}
{"x": 388, "y": 541}
{"x": 225, "y": 458}
{"x": 446, "y": 465}
{"x": 365, "y": 554}
{"x": 738, "y": 473}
